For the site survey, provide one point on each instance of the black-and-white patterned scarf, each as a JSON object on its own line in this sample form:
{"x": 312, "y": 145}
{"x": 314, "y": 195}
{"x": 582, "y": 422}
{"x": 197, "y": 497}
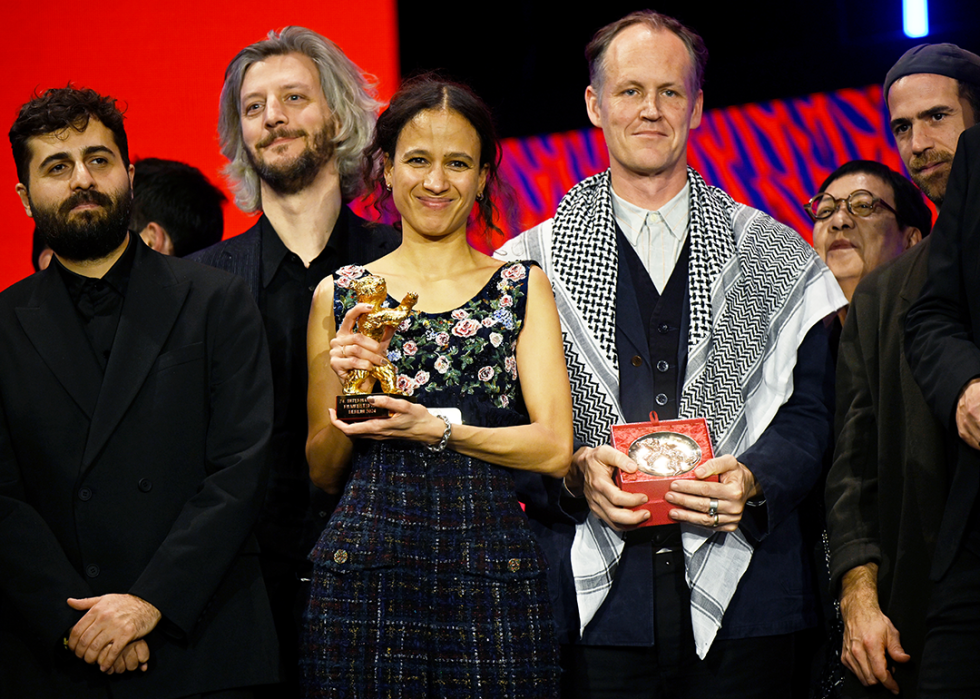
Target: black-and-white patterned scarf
{"x": 755, "y": 288}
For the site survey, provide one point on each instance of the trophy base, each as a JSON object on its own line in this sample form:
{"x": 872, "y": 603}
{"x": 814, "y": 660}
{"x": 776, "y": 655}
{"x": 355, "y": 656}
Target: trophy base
{"x": 355, "y": 407}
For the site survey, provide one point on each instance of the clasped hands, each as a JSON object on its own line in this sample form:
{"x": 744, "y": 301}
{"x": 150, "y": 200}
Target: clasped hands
{"x": 592, "y": 474}
{"x": 350, "y": 351}
{"x": 111, "y": 632}
{"x": 968, "y": 414}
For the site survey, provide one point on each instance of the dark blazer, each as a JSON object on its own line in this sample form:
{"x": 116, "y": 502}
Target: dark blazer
{"x": 775, "y": 596}
{"x": 145, "y": 482}
{"x": 242, "y": 255}
{"x": 940, "y": 341}
{"x": 888, "y": 483}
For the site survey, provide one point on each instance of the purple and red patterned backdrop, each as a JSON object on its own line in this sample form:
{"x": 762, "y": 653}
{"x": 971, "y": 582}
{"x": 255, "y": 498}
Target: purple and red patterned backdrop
{"x": 772, "y": 156}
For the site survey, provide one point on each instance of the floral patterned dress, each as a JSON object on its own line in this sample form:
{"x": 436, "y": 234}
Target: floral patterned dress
{"x": 427, "y": 581}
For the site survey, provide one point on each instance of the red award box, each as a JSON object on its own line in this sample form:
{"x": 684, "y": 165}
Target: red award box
{"x": 664, "y": 451}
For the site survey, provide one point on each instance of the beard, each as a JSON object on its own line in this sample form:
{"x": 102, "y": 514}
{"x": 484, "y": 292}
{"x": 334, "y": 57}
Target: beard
{"x": 296, "y": 175}
{"x": 86, "y": 235}
{"x": 933, "y": 185}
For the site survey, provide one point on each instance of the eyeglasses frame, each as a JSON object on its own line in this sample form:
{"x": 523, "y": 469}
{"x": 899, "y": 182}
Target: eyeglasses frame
{"x": 875, "y": 203}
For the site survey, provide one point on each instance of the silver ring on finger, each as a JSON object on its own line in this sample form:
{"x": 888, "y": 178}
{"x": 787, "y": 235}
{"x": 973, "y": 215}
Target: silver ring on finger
{"x": 713, "y": 509}
{"x": 715, "y": 523}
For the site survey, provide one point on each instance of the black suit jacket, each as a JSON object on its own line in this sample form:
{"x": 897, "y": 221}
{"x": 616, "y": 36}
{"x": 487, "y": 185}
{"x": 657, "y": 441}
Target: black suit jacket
{"x": 888, "y": 483}
{"x": 146, "y": 481}
{"x": 941, "y": 342}
{"x": 242, "y": 255}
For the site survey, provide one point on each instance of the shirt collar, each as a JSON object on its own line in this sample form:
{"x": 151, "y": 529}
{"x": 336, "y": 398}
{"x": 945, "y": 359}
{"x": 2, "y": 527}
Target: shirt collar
{"x": 274, "y": 251}
{"x": 117, "y": 277}
{"x": 673, "y": 215}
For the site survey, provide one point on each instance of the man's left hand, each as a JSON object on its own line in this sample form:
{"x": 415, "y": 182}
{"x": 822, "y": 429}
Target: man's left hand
{"x": 134, "y": 655}
{"x": 968, "y": 414}
{"x": 110, "y": 623}
{"x": 694, "y": 498}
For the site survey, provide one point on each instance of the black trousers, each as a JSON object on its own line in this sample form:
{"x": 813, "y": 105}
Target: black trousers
{"x": 949, "y": 659}
{"x": 741, "y": 668}
{"x": 288, "y": 583}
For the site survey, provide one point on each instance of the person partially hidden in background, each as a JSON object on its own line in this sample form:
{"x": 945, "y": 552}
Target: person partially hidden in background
{"x": 887, "y": 488}
{"x": 176, "y": 210}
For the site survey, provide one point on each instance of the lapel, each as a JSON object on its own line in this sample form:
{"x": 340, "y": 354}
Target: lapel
{"x": 628, "y": 319}
{"x": 244, "y": 258}
{"x": 253, "y": 262}
{"x": 914, "y": 279}
{"x": 153, "y": 301}
{"x": 365, "y": 242}
{"x": 51, "y": 323}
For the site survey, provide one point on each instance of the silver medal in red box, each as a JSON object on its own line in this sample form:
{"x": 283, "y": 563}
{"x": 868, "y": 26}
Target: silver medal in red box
{"x": 664, "y": 451}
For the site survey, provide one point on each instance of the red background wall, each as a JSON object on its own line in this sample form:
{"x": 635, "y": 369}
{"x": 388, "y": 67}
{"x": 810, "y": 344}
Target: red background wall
{"x": 166, "y": 62}
{"x": 168, "y": 67}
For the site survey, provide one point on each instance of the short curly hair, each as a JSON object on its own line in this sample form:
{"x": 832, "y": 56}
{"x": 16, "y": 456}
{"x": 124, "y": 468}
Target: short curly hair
{"x": 59, "y": 109}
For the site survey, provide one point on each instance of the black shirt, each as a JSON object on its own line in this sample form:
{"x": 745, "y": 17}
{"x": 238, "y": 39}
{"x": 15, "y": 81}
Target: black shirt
{"x": 295, "y": 511}
{"x": 99, "y": 301}
{"x": 284, "y": 301}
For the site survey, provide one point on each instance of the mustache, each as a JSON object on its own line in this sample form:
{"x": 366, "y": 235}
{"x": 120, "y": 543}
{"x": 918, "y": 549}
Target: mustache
{"x": 85, "y": 196}
{"x": 280, "y": 133}
{"x": 931, "y": 158}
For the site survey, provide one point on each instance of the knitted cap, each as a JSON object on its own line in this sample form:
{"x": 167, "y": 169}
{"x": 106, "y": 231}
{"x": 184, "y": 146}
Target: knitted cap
{"x": 941, "y": 59}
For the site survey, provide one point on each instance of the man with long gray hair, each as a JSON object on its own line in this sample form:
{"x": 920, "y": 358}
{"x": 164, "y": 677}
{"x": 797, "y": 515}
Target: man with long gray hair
{"x": 295, "y": 117}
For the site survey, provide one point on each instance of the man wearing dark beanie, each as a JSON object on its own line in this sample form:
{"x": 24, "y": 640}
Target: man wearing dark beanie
{"x": 887, "y": 487}
{"x": 933, "y": 94}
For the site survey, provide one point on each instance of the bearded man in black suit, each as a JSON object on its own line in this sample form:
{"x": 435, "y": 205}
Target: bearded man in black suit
{"x": 944, "y": 353}
{"x": 295, "y": 117}
{"x": 135, "y": 414}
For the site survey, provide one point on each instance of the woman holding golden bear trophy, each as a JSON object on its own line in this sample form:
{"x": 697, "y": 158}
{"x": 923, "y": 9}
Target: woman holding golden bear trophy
{"x": 427, "y": 579}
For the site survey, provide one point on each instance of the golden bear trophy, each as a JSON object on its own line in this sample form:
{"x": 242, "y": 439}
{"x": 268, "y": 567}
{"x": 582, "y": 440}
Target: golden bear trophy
{"x": 354, "y": 406}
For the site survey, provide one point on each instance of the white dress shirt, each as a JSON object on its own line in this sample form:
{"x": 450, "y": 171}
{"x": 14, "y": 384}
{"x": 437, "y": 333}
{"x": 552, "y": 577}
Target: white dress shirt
{"x": 657, "y": 236}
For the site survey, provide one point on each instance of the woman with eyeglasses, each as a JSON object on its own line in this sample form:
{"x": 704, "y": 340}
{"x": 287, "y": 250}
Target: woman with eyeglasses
{"x": 865, "y": 215}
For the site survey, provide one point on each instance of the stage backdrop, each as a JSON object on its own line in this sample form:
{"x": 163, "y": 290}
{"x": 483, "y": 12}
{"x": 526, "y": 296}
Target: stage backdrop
{"x": 169, "y": 70}
{"x": 166, "y": 63}
{"x": 772, "y": 156}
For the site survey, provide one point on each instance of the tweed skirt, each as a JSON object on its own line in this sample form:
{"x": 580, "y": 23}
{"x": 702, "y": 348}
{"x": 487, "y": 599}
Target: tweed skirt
{"x": 427, "y": 583}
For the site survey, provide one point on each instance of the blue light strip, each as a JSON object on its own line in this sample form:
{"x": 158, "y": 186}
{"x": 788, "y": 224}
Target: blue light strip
{"x": 915, "y": 18}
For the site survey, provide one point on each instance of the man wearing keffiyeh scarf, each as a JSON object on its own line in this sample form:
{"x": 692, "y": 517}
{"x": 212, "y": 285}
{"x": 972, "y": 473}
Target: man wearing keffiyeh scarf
{"x": 676, "y": 299}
